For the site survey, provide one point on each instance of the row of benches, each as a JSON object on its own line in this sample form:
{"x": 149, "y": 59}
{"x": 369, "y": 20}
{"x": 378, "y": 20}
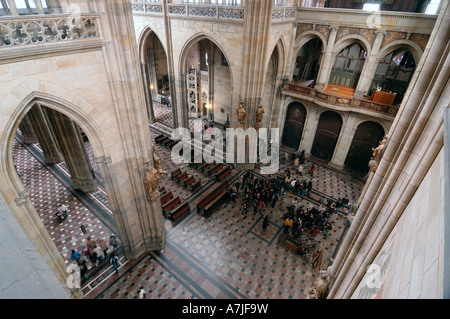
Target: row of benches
{"x": 219, "y": 170}
{"x": 211, "y": 202}
{"x": 173, "y": 208}
{"x": 185, "y": 179}
{"x": 165, "y": 141}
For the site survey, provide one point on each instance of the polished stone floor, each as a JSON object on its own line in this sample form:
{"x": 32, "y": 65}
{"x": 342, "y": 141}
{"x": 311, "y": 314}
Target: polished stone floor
{"x": 223, "y": 256}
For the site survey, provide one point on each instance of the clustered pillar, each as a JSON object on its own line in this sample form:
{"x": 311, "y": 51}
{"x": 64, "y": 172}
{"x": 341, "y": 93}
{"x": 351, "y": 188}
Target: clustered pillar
{"x": 70, "y": 142}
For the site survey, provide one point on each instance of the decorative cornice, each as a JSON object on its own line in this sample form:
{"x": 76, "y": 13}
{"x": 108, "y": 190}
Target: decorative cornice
{"x": 103, "y": 160}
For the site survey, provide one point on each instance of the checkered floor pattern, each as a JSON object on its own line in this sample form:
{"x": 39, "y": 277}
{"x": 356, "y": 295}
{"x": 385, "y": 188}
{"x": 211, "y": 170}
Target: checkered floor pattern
{"x": 223, "y": 256}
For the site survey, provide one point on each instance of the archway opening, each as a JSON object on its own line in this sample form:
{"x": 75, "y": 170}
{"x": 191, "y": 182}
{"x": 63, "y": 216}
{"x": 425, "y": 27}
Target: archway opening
{"x": 393, "y": 74}
{"x": 367, "y": 136}
{"x": 209, "y": 87}
{"x": 156, "y": 80}
{"x": 327, "y": 134}
{"x": 293, "y": 127}
{"x": 347, "y": 68}
{"x": 55, "y": 162}
{"x": 307, "y": 63}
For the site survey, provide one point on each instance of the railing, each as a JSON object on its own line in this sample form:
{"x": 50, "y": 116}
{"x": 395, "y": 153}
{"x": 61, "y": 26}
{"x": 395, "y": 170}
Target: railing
{"x": 28, "y": 30}
{"x": 284, "y": 14}
{"x": 190, "y": 10}
{"x": 385, "y": 109}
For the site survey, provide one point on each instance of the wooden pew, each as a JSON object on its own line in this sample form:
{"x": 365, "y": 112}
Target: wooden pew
{"x": 183, "y": 177}
{"x": 166, "y": 197}
{"x": 223, "y": 174}
{"x": 215, "y": 203}
{"x": 164, "y": 140}
{"x": 179, "y": 212}
{"x": 196, "y": 185}
{"x": 208, "y": 198}
{"x": 207, "y": 167}
{"x": 171, "y": 204}
{"x": 202, "y": 166}
{"x": 171, "y": 144}
{"x": 215, "y": 169}
{"x": 175, "y": 173}
{"x": 159, "y": 138}
{"x": 189, "y": 181}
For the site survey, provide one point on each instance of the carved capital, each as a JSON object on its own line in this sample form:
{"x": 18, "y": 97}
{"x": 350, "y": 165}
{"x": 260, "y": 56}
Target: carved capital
{"x": 23, "y": 196}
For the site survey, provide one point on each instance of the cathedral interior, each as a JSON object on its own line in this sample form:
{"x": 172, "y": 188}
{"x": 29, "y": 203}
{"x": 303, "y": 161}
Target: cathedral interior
{"x": 354, "y": 95}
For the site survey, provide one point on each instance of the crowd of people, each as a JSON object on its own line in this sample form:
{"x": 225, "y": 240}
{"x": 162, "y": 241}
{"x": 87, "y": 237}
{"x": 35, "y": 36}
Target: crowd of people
{"x": 95, "y": 252}
{"x": 299, "y": 220}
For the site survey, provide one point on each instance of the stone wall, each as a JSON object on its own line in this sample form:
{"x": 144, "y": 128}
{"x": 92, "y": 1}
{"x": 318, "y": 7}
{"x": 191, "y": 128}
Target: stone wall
{"x": 25, "y": 273}
{"x": 410, "y": 265}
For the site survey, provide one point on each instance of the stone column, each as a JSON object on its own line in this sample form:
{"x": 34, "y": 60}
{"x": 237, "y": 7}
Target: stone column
{"x": 327, "y": 62}
{"x": 344, "y": 141}
{"x": 148, "y": 94}
{"x": 370, "y": 67}
{"x": 257, "y": 25}
{"x": 309, "y": 131}
{"x": 179, "y": 109}
{"x": 29, "y": 137}
{"x": 211, "y": 66}
{"x": 13, "y": 8}
{"x": 39, "y": 7}
{"x": 68, "y": 137}
{"x": 44, "y": 135}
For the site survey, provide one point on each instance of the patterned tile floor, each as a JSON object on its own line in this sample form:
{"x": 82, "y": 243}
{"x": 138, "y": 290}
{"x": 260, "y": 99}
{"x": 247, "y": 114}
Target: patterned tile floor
{"x": 222, "y": 257}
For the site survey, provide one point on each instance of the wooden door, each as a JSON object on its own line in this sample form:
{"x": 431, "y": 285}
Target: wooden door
{"x": 293, "y": 126}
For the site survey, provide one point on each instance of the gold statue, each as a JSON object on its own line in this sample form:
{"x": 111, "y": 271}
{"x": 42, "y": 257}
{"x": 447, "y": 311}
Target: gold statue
{"x": 259, "y": 117}
{"x": 378, "y": 151}
{"x": 241, "y": 114}
{"x": 153, "y": 177}
{"x": 321, "y": 286}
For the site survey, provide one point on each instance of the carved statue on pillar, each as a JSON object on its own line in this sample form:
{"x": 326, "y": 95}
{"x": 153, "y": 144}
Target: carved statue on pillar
{"x": 241, "y": 114}
{"x": 259, "y": 117}
{"x": 152, "y": 179}
{"x": 378, "y": 151}
{"x": 319, "y": 290}
{"x": 377, "y": 154}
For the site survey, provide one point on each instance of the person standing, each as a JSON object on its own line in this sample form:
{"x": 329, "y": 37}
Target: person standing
{"x": 103, "y": 246}
{"x": 260, "y": 207}
{"x": 99, "y": 252}
{"x": 274, "y": 199}
{"x": 313, "y": 169}
{"x": 349, "y": 219}
{"x": 265, "y": 222}
{"x": 75, "y": 255}
{"x": 113, "y": 241}
{"x": 244, "y": 210}
{"x": 115, "y": 262}
{"x": 141, "y": 293}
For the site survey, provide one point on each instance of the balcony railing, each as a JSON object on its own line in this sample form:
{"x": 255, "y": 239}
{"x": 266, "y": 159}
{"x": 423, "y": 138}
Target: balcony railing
{"x": 190, "y": 10}
{"x": 385, "y": 109}
{"x": 28, "y": 30}
{"x": 282, "y": 14}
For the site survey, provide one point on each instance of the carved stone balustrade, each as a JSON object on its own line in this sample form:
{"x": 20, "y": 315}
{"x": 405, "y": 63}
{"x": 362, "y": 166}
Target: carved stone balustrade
{"x": 30, "y": 30}
{"x": 190, "y": 10}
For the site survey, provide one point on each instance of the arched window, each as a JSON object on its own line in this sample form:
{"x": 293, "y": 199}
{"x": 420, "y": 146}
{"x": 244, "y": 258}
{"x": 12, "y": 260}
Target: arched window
{"x": 308, "y": 61}
{"x": 348, "y": 65}
{"x": 394, "y": 72}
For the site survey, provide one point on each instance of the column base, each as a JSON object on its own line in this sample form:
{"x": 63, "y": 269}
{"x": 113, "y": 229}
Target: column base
{"x": 86, "y": 186}
{"x": 338, "y": 167}
{"x": 320, "y": 87}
